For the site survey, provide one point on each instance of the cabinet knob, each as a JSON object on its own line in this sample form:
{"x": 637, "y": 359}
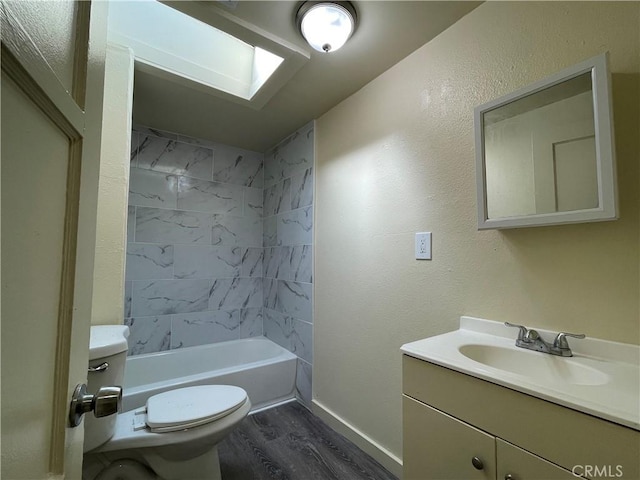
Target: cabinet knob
{"x": 477, "y": 463}
{"x": 508, "y": 476}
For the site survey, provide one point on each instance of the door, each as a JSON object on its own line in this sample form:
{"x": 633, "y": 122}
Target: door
{"x": 576, "y": 174}
{"x": 564, "y": 156}
{"x": 52, "y": 80}
{"x": 515, "y": 463}
{"x": 438, "y": 446}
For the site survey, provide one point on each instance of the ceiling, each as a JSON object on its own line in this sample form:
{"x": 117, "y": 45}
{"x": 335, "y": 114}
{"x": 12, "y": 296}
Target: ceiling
{"x": 387, "y": 32}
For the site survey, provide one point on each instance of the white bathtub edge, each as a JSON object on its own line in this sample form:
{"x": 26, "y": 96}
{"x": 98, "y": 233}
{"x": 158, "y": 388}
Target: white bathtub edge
{"x": 267, "y": 381}
{"x": 388, "y": 460}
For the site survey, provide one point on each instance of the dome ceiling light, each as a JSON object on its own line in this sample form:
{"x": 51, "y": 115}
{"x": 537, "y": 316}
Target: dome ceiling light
{"x": 326, "y": 26}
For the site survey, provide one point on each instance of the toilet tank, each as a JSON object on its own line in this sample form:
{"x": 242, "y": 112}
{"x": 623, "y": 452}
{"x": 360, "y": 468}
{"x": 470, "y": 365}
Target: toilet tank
{"x": 107, "y": 345}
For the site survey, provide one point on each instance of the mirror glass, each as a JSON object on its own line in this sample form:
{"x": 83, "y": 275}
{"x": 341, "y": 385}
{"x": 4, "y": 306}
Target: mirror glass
{"x": 542, "y": 156}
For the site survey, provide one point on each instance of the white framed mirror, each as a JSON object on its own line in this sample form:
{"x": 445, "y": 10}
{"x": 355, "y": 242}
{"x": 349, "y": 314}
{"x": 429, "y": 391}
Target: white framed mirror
{"x": 545, "y": 153}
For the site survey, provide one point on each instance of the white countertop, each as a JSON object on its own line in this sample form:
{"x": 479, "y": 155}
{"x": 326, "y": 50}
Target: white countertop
{"x": 612, "y": 370}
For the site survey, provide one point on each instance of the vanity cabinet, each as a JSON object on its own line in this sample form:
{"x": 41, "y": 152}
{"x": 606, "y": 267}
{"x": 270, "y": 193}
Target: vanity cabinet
{"x": 456, "y": 426}
{"x": 438, "y": 446}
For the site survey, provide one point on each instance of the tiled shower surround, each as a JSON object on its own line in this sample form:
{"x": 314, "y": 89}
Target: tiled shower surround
{"x": 288, "y": 238}
{"x": 220, "y": 244}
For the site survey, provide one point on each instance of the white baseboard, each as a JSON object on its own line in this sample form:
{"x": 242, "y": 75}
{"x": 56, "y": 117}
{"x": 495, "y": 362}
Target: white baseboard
{"x": 388, "y": 460}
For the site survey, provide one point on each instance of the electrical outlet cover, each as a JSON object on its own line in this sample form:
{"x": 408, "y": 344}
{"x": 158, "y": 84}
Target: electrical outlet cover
{"x": 423, "y": 246}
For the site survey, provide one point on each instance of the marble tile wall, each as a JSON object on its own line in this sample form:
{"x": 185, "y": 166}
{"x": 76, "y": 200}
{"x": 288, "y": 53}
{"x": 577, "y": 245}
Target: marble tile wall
{"x": 194, "y": 251}
{"x": 288, "y": 251}
{"x": 220, "y": 245}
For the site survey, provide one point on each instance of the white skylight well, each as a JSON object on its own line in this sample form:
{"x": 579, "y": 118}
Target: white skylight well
{"x": 264, "y": 64}
{"x": 164, "y": 38}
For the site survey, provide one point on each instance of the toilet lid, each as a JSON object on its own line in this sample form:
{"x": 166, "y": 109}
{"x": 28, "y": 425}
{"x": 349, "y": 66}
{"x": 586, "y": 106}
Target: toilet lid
{"x": 192, "y": 406}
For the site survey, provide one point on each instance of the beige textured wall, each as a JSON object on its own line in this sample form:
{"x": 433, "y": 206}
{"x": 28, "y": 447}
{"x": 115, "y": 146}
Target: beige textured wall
{"x": 113, "y": 192}
{"x": 397, "y": 158}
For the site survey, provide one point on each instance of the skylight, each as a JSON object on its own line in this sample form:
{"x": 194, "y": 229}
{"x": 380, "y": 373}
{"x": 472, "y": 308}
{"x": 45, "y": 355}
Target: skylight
{"x": 164, "y": 38}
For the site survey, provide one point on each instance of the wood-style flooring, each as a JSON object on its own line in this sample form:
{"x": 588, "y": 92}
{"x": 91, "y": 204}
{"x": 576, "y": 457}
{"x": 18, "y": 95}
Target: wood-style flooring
{"x": 290, "y": 443}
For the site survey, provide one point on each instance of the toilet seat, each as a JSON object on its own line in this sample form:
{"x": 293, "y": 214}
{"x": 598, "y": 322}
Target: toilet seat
{"x": 189, "y": 407}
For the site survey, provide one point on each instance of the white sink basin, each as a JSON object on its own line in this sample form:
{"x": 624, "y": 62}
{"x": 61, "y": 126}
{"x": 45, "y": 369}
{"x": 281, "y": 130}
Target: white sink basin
{"x": 601, "y": 379}
{"x": 534, "y": 364}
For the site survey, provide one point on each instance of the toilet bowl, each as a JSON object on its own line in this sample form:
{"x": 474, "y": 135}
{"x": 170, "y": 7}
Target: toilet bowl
{"x": 126, "y": 469}
{"x": 173, "y": 437}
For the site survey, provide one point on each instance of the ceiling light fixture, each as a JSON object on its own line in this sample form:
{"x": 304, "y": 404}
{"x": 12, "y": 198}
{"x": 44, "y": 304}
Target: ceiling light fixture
{"x": 326, "y": 26}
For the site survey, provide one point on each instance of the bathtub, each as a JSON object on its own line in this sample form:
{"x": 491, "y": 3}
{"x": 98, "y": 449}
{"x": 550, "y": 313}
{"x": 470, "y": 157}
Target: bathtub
{"x": 264, "y": 369}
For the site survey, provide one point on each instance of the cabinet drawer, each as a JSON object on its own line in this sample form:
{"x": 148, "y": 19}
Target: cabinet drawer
{"x": 564, "y": 436}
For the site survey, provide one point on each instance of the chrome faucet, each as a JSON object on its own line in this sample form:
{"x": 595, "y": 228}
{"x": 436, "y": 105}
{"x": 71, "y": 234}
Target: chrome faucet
{"x": 531, "y": 340}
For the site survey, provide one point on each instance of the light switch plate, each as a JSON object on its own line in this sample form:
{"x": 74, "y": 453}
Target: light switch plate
{"x": 423, "y": 246}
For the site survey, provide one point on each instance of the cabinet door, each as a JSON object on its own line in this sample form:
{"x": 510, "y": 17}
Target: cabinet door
{"x": 517, "y": 464}
{"x": 439, "y": 447}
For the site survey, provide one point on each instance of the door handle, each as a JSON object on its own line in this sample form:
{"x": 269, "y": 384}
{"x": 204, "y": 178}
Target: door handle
{"x": 106, "y": 401}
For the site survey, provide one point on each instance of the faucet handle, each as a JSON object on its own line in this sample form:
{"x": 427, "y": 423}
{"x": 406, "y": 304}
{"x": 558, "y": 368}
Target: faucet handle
{"x": 561, "y": 339}
{"x": 523, "y": 330}
{"x": 532, "y": 335}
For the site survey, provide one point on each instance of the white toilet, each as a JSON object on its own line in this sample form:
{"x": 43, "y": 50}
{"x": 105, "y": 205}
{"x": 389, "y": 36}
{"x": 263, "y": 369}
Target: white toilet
{"x": 174, "y": 437}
